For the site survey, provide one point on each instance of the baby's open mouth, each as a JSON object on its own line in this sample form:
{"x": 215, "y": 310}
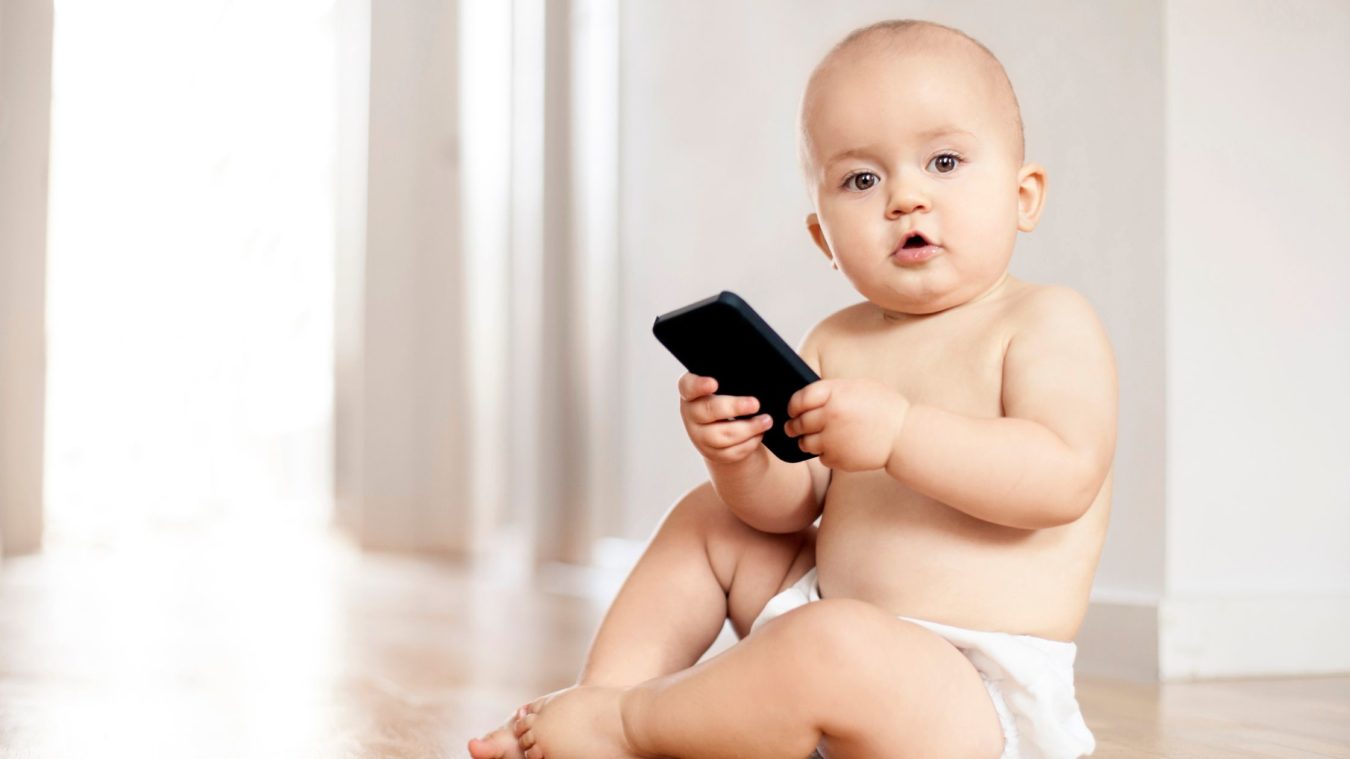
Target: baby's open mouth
{"x": 915, "y": 249}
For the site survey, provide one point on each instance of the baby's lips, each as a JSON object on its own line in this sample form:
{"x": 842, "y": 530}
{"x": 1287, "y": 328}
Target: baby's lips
{"x": 906, "y": 242}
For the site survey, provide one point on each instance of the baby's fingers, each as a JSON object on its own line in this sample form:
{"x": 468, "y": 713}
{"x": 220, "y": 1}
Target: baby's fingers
{"x": 723, "y": 435}
{"x": 734, "y": 453}
{"x": 715, "y": 408}
{"x": 811, "y": 422}
{"x": 812, "y": 396}
{"x": 693, "y": 386}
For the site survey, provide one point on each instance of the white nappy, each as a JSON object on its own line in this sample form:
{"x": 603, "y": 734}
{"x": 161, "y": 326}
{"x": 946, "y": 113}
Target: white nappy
{"x": 1030, "y": 680}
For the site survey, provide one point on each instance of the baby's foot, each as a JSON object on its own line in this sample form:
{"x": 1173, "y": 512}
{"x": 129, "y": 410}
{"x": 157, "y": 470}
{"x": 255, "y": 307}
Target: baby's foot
{"x": 577, "y": 723}
{"x": 500, "y": 743}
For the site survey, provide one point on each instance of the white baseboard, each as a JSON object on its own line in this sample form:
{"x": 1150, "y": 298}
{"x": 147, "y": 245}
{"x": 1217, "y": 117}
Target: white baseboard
{"x": 1176, "y": 639}
{"x": 1254, "y": 636}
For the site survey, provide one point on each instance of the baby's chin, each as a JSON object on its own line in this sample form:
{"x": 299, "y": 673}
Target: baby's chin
{"x": 919, "y": 295}
{"x": 899, "y": 309}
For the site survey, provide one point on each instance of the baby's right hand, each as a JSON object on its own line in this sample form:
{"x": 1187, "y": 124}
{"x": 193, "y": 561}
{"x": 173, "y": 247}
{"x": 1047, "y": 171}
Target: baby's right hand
{"x": 707, "y": 419}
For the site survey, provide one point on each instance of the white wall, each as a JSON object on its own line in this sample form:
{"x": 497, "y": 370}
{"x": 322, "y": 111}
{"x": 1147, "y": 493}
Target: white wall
{"x": 711, "y": 199}
{"x": 1258, "y": 350}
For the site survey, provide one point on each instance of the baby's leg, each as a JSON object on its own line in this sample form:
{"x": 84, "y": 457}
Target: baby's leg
{"x": 702, "y": 566}
{"x": 838, "y": 671}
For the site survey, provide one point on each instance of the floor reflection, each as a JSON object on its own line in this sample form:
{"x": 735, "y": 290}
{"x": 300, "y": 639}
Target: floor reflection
{"x": 236, "y": 642}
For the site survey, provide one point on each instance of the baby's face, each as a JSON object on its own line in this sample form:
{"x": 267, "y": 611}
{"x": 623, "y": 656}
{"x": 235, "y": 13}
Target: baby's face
{"x": 904, "y": 142}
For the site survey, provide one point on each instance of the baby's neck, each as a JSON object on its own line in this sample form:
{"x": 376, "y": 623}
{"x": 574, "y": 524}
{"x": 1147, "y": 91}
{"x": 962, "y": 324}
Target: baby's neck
{"x": 998, "y": 288}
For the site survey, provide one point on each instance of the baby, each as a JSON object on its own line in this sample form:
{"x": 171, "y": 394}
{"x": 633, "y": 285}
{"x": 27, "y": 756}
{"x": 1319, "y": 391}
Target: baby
{"x": 965, "y": 426}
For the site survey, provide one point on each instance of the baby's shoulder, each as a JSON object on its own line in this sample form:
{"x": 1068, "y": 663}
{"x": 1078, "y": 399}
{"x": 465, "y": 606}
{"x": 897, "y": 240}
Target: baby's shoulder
{"x": 844, "y": 318}
{"x": 1056, "y": 338}
{"x": 831, "y": 326}
{"x": 826, "y": 330}
{"x": 1038, "y": 307}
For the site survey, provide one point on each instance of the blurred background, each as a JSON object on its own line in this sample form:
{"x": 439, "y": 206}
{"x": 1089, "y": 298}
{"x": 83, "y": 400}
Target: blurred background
{"x": 386, "y": 271}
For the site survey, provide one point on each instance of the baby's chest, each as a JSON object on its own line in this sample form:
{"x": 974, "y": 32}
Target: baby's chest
{"x": 957, "y": 372}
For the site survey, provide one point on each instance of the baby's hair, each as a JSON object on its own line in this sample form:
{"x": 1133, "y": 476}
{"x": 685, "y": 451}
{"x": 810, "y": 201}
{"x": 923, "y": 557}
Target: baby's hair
{"x": 925, "y": 33}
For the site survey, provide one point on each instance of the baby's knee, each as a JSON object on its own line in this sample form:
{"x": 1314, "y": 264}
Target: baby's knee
{"x": 837, "y": 633}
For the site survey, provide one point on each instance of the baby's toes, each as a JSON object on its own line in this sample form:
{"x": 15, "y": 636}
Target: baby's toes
{"x": 534, "y": 753}
{"x": 486, "y": 748}
{"x": 522, "y": 724}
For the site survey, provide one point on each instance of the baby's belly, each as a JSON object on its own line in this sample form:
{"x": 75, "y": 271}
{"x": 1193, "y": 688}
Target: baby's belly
{"x": 883, "y": 543}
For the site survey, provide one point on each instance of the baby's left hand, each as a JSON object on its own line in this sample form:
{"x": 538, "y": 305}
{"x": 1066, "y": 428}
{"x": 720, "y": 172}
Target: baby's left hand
{"x": 851, "y": 423}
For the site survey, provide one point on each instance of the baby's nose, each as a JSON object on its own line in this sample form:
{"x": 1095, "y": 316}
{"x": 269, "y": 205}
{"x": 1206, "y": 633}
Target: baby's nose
{"x": 906, "y": 198}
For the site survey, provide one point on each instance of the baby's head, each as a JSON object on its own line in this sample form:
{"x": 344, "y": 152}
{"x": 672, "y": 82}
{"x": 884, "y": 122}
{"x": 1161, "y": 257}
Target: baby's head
{"x": 911, "y": 126}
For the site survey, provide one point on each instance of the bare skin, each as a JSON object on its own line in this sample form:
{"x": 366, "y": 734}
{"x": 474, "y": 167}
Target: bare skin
{"x": 965, "y": 426}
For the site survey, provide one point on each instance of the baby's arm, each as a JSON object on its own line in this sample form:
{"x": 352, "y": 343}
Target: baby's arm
{"x": 770, "y": 494}
{"x": 1043, "y": 463}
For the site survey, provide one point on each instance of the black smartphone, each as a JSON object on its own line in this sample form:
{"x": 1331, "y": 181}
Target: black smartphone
{"x": 722, "y": 337}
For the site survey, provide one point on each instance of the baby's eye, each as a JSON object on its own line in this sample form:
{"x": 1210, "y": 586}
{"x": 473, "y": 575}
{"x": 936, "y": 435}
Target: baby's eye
{"x": 946, "y": 162}
{"x": 863, "y": 180}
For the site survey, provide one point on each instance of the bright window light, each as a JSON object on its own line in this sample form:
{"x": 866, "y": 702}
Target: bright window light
{"x": 191, "y": 265}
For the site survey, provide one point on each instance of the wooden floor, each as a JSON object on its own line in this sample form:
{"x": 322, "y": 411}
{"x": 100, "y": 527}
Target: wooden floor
{"x": 296, "y": 645}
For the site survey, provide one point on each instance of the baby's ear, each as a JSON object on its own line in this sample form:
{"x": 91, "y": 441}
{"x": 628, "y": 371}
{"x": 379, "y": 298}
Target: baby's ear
{"x": 1030, "y": 196}
{"x": 813, "y": 226}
